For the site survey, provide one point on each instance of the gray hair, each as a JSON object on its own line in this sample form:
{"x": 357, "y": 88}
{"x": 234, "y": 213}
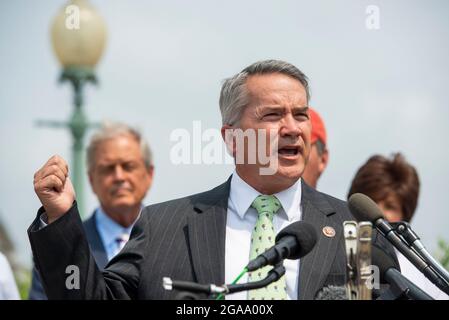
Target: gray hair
{"x": 233, "y": 95}
{"x": 111, "y": 130}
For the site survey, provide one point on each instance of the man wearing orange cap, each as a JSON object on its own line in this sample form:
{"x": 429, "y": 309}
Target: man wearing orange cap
{"x": 319, "y": 155}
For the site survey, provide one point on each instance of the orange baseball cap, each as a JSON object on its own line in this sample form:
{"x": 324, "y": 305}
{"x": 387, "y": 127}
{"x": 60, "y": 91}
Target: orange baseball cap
{"x": 318, "y": 129}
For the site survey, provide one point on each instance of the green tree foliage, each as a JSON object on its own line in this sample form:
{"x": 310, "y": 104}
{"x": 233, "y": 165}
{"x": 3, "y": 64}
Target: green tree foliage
{"x": 443, "y": 252}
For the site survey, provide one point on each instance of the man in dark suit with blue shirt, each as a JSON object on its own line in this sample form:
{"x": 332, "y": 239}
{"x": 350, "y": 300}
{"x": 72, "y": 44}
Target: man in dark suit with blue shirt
{"x": 209, "y": 237}
{"x": 120, "y": 171}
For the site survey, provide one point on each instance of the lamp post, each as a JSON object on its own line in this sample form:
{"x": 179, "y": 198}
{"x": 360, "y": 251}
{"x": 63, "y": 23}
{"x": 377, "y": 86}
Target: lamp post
{"x": 78, "y": 37}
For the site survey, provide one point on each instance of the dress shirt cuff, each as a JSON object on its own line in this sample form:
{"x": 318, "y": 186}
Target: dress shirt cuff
{"x": 43, "y": 221}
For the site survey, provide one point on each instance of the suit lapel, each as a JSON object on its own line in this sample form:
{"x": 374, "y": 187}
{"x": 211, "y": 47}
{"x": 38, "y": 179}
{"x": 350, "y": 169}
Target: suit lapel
{"x": 207, "y": 234}
{"x": 314, "y": 267}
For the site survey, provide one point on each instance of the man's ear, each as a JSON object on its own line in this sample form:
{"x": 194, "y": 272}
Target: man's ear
{"x": 324, "y": 159}
{"x": 150, "y": 171}
{"x": 228, "y": 138}
{"x": 91, "y": 180}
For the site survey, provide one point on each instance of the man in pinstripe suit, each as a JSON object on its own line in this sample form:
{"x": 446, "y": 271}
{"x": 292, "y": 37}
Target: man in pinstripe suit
{"x": 120, "y": 168}
{"x": 207, "y": 237}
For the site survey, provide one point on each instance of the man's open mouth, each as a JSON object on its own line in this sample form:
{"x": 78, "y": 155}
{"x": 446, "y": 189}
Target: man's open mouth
{"x": 289, "y": 150}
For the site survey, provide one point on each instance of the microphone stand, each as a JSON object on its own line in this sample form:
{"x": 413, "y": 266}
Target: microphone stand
{"x": 411, "y": 238}
{"x": 421, "y": 264}
{"x": 401, "y": 288}
{"x": 193, "y": 291}
{"x": 273, "y": 275}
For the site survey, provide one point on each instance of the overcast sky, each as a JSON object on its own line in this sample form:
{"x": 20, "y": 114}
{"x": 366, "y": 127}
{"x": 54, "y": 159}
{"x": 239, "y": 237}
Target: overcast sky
{"x": 379, "y": 91}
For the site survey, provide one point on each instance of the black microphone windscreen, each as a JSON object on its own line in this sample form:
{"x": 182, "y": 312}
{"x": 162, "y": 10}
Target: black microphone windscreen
{"x": 383, "y": 261}
{"x": 332, "y": 293}
{"x": 305, "y": 235}
{"x": 364, "y": 208}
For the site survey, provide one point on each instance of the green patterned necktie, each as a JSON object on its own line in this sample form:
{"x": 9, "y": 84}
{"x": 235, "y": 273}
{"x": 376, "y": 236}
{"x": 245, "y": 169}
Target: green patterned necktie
{"x": 262, "y": 238}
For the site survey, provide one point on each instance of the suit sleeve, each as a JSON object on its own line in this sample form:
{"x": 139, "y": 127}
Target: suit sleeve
{"x": 68, "y": 269}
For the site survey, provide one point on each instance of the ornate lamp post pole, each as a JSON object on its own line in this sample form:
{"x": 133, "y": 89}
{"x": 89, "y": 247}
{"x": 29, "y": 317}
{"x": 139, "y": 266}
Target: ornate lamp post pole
{"x": 78, "y": 36}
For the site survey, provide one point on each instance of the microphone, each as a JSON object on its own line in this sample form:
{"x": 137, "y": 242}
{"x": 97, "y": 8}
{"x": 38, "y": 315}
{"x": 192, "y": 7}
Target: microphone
{"x": 331, "y": 293}
{"x": 400, "y": 286}
{"x": 413, "y": 240}
{"x": 293, "y": 242}
{"x": 273, "y": 275}
{"x": 191, "y": 290}
{"x": 357, "y": 238}
{"x": 365, "y": 209}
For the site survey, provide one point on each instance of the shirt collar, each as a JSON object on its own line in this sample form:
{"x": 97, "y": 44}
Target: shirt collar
{"x": 242, "y": 196}
{"x": 111, "y": 230}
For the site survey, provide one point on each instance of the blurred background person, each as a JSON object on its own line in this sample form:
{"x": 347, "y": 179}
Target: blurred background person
{"x": 319, "y": 154}
{"x": 120, "y": 169}
{"x": 394, "y": 185}
{"x": 8, "y": 287}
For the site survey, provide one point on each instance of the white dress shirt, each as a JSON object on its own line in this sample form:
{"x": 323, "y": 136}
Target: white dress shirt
{"x": 241, "y": 219}
{"x": 110, "y": 231}
{"x": 409, "y": 271}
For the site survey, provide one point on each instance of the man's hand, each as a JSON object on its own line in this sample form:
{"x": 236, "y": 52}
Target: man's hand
{"x": 54, "y": 188}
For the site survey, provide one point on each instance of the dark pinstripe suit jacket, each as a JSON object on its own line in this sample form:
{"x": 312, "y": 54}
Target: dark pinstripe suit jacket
{"x": 96, "y": 248}
{"x": 183, "y": 239}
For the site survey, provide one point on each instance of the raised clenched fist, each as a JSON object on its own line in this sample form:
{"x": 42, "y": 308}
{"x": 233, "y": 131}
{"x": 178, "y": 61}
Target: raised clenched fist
{"x": 54, "y": 188}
